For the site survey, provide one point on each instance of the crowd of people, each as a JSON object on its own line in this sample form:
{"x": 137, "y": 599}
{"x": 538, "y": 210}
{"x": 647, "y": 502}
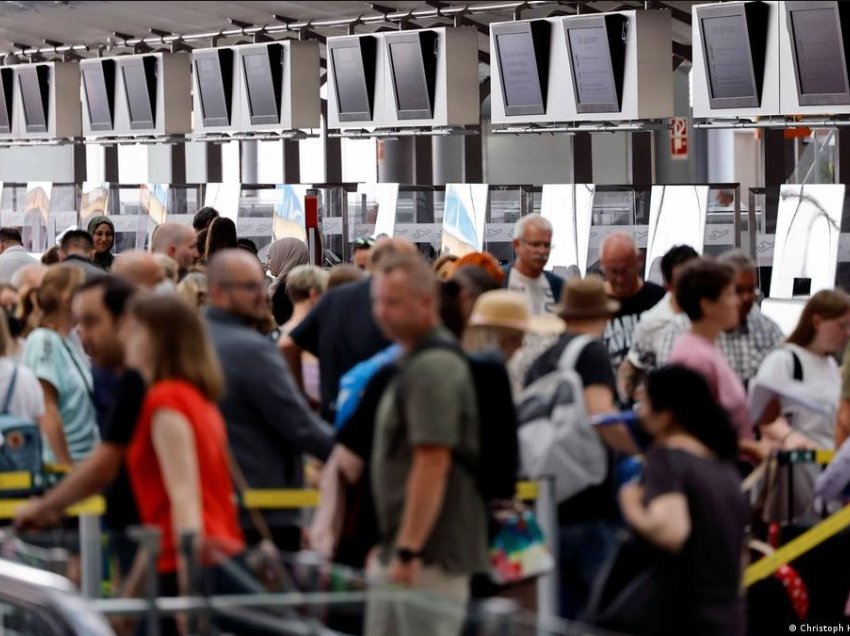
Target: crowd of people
{"x": 173, "y": 379}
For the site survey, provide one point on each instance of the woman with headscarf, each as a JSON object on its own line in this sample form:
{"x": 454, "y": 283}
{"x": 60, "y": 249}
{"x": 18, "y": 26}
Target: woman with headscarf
{"x": 284, "y": 255}
{"x": 102, "y": 231}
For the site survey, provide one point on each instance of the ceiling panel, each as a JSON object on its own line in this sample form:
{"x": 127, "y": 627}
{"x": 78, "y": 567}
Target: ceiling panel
{"x": 92, "y": 22}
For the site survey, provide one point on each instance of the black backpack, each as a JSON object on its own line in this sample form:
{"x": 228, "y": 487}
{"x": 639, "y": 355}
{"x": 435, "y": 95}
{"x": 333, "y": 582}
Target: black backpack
{"x": 497, "y": 468}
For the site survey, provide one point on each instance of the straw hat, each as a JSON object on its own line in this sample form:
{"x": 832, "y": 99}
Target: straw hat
{"x": 586, "y": 298}
{"x": 505, "y": 308}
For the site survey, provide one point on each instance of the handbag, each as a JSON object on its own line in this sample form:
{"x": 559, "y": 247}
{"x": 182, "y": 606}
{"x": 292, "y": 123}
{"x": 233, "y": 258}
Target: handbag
{"x": 518, "y": 549}
{"x": 264, "y": 560}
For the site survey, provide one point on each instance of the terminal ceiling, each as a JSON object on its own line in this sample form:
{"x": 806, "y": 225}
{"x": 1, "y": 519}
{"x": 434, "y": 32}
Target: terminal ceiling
{"x": 104, "y": 24}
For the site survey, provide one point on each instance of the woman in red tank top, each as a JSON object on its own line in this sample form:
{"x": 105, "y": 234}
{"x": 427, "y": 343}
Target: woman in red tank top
{"x": 178, "y": 459}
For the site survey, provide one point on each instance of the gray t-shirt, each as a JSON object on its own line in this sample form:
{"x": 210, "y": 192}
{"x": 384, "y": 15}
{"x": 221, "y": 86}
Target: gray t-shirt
{"x": 439, "y": 410}
{"x": 537, "y": 290}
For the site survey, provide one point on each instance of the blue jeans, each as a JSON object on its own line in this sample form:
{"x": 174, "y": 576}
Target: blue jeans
{"x": 583, "y": 550}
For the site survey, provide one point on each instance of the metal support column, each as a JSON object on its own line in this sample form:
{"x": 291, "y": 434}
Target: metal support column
{"x": 641, "y": 158}
{"x": 582, "y": 158}
{"x": 110, "y": 164}
{"x": 473, "y": 167}
{"x": 178, "y": 163}
{"x": 90, "y": 556}
{"x": 291, "y": 161}
{"x": 213, "y": 159}
{"x": 549, "y": 585}
{"x": 423, "y": 173}
{"x": 842, "y": 156}
{"x": 777, "y": 166}
{"x": 396, "y": 159}
{"x": 80, "y": 168}
{"x": 248, "y": 162}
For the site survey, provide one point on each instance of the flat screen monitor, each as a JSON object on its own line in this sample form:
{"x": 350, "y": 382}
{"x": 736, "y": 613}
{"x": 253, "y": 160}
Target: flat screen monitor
{"x": 522, "y": 53}
{"x": 818, "y": 32}
{"x": 99, "y": 88}
{"x": 597, "y": 51}
{"x": 263, "y": 70}
{"x": 353, "y": 64}
{"x": 413, "y": 64}
{"x": 214, "y": 79}
{"x": 34, "y": 82}
{"x": 140, "y": 86}
{"x": 7, "y": 89}
{"x": 734, "y": 40}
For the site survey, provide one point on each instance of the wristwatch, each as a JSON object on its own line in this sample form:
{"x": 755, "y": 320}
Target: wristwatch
{"x": 406, "y": 555}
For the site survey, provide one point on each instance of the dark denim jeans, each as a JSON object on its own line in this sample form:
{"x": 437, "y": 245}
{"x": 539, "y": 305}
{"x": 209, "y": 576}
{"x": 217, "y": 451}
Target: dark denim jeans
{"x": 584, "y": 549}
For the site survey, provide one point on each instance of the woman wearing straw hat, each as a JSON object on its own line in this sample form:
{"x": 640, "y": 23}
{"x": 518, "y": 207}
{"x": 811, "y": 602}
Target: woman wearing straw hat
{"x": 499, "y": 321}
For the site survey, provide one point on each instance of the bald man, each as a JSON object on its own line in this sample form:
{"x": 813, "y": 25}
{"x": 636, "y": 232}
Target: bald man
{"x": 140, "y": 269}
{"x": 177, "y": 241}
{"x": 621, "y": 263}
{"x": 269, "y": 424}
{"x": 340, "y": 330}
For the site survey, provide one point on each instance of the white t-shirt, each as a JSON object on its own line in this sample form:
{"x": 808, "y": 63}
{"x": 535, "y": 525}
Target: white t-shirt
{"x": 821, "y": 383}
{"x": 27, "y": 398}
{"x": 537, "y": 290}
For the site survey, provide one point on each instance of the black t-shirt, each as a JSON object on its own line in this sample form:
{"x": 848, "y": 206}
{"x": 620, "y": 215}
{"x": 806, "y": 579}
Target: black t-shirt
{"x": 593, "y": 367}
{"x": 711, "y": 557}
{"x": 341, "y": 332}
{"x": 281, "y": 305}
{"x": 620, "y": 332}
{"x": 118, "y": 429}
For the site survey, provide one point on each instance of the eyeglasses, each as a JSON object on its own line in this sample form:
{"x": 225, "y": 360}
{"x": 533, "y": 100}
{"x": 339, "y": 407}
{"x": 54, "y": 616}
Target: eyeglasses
{"x": 364, "y": 242}
{"x": 546, "y": 245}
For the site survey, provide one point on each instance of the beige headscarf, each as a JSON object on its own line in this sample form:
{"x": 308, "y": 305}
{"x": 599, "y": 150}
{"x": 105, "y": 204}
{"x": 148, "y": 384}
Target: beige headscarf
{"x": 285, "y": 255}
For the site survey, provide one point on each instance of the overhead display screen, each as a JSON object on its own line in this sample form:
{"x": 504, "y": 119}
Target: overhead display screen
{"x": 214, "y": 73}
{"x": 728, "y": 57}
{"x": 522, "y": 50}
{"x": 99, "y": 86}
{"x": 519, "y": 70}
{"x": 413, "y": 64}
{"x": 734, "y": 40}
{"x": 592, "y": 63}
{"x": 6, "y": 92}
{"x": 263, "y": 69}
{"x": 411, "y": 88}
{"x": 353, "y": 62}
{"x": 597, "y": 57}
{"x": 34, "y": 83}
{"x": 140, "y": 81}
{"x": 819, "y": 52}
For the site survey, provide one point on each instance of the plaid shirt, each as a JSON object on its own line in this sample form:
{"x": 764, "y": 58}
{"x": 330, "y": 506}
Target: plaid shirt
{"x": 744, "y": 347}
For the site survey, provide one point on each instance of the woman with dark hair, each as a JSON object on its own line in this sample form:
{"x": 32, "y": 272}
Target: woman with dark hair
{"x": 705, "y": 290}
{"x": 102, "y": 231}
{"x": 221, "y": 235}
{"x": 688, "y": 506}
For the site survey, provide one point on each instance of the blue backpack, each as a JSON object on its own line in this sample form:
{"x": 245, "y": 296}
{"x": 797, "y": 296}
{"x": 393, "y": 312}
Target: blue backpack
{"x": 20, "y": 446}
{"x": 353, "y": 383}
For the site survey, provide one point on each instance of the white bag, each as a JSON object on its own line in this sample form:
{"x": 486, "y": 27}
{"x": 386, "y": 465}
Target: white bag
{"x": 556, "y": 438}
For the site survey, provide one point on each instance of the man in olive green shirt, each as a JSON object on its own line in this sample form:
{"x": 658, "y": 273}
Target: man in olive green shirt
{"x": 432, "y": 518}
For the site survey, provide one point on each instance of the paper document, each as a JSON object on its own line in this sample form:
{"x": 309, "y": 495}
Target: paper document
{"x": 763, "y": 392}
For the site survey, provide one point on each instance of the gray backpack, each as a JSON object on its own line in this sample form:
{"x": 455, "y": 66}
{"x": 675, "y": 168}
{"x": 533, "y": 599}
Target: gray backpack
{"x": 556, "y": 438}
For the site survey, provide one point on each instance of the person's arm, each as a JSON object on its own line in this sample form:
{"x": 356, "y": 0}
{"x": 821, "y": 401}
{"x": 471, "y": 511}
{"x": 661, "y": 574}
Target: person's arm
{"x": 350, "y": 465}
{"x": 51, "y": 425}
{"x": 664, "y": 522}
{"x": 89, "y": 478}
{"x": 426, "y": 487}
{"x": 292, "y": 354}
{"x": 599, "y": 400}
{"x": 284, "y": 409}
{"x": 628, "y": 379}
{"x": 174, "y": 443}
{"x": 835, "y": 477}
{"x": 842, "y": 423}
